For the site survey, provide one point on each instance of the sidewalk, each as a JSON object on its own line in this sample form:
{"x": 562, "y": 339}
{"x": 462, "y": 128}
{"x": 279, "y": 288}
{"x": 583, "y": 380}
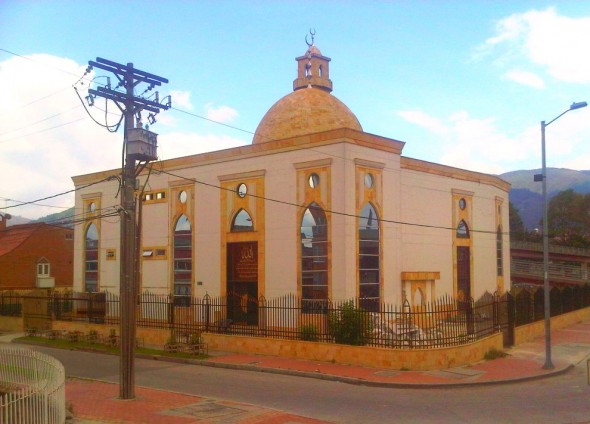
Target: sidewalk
{"x": 570, "y": 346}
{"x": 97, "y": 402}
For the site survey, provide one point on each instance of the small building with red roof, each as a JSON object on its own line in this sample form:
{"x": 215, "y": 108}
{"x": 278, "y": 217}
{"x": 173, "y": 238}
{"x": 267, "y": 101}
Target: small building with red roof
{"x": 35, "y": 255}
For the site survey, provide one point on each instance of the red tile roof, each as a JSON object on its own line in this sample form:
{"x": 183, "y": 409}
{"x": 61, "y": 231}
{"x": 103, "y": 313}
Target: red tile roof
{"x": 14, "y": 236}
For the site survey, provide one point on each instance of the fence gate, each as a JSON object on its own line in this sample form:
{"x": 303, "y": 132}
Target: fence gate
{"x": 36, "y": 312}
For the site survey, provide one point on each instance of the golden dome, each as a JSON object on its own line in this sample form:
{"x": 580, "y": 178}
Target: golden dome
{"x": 304, "y": 111}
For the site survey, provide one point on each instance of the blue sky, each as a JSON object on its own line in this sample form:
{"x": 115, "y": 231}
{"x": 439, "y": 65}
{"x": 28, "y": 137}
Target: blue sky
{"x": 464, "y": 83}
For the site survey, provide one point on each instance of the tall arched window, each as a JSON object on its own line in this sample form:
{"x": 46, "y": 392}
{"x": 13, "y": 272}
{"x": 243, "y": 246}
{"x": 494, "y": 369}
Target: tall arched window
{"x": 499, "y": 261}
{"x": 369, "y": 255}
{"x": 183, "y": 254}
{"x": 91, "y": 259}
{"x": 462, "y": 230}
{"x": 314, "y": 257}
{"x": 242, "y": 221}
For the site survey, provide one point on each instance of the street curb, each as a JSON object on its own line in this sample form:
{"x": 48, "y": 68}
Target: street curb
{"x": 342, "y": 379}
{"x": 358, "y": 381}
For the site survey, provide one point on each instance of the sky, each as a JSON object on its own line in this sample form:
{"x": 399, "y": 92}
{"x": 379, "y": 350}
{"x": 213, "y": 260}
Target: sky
{"x": 462, "y": 83}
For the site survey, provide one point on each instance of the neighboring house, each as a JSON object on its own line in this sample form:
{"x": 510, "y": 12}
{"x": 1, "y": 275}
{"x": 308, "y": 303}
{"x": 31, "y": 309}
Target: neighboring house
{"x": 568, "y": 266}
{"x": 314, "y": 206}
{"x": 35, "y": 256}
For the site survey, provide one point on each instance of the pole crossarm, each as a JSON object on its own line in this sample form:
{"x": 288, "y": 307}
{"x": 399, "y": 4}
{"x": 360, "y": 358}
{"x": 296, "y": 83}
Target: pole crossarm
{"x": 120, "y": 69}
{"x": 120, "y": 97}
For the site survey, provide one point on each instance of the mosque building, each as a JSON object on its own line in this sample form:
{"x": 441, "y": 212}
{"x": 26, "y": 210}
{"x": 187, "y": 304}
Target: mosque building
{"x": 314, "y": 207}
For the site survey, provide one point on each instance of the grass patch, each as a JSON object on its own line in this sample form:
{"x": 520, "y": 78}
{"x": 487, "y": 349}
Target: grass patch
{"x": 99, "y": 347}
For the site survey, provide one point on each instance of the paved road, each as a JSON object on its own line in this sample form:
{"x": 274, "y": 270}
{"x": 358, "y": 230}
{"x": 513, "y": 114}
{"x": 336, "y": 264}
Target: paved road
{"x": 563, "y": 399}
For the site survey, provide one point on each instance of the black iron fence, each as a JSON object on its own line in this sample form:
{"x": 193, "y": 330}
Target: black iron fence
{"x": 444, "y": 322}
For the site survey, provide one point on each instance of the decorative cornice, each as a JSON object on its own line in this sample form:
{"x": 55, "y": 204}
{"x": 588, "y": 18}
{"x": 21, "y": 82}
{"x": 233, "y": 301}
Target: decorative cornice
{"x": 455, "y": 173}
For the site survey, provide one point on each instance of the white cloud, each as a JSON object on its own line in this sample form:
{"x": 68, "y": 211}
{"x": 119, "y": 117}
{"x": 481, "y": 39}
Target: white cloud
{"x": 423, "y": 120}
{"x": 181, "y": 99}
{"x": 526, "y": 78}
{"x": 45, "y": 134}
{"x": 222, "y": 114}
{"x": 479, "y": 145}
{"x": 558, "y": 44}
{"x": 474, "y": 143}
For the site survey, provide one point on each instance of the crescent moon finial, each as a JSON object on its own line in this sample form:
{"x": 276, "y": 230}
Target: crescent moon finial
{"x": 312, "y": 33}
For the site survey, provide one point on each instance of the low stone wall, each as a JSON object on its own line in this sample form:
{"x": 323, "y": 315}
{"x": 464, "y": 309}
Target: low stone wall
{"x": 11, "y": 324}
{"x": 526, "y": 333}
{"x": 410, "y": 359}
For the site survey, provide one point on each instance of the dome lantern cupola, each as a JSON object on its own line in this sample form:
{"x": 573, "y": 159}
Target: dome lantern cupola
{"x": 313, "y": 69}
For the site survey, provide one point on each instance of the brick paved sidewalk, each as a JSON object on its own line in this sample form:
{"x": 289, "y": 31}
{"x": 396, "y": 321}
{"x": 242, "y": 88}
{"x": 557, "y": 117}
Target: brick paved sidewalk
{"x": 569, "y": 346}
{"x": 97, "y": 402}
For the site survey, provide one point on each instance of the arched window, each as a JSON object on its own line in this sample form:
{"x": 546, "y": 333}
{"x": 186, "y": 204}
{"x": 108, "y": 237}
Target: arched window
{"x": 499, "y": 261}
{"x": 369, "y": 259}
{"x": 242, "y": 222}
{"x": 314, "y": 257}
{"x": 321, "y": 69}
{"x": 91, "y": 259}
{"x": 183, "y": 254}
{"x": 462, "y": 230}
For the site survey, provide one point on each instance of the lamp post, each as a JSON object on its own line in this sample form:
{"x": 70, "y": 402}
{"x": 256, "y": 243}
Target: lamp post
{"x": 543, "y": 177}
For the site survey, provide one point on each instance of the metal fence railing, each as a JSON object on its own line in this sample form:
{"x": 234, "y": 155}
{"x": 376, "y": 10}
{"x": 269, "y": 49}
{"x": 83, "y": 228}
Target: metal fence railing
{"x": 443, "y": 322}
{"x": 32, "y": 387}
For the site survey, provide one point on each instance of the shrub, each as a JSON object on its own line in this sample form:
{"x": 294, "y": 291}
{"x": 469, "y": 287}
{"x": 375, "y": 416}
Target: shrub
{"x": 350, "y": 325}
{"x": 309, "y": 333}
{"x": 494, "y": 354}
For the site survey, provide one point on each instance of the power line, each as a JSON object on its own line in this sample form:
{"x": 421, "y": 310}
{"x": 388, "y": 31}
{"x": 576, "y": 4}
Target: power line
{"x": 39, "y": 121}
{"x": 36, "y": 204}
{"x": 59, "y": 194}
{"x": 38, "y": 62}
{"x": 333, "y": 212}
{"x": 44, "y": 130}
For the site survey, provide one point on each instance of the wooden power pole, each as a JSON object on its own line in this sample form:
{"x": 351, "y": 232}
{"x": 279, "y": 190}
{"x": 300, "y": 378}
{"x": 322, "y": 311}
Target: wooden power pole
{"x": 140, "y": 145}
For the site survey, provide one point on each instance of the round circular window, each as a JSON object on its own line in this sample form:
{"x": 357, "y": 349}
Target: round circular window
{"x": 369, "y": 180}
{"x": 92, "y": 207}
{"x": 314, "y": 180}
{"x": 462, "y": 204}
{"x": 182, "y": 196}
{"x": 242, "y": 190}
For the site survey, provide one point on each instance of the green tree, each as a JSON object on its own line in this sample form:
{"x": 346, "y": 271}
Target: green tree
{"x": 568, "y": 219}
{"x": 517, "y": 230}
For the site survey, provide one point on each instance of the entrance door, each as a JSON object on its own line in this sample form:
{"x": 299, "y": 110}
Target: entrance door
{"x": 242, "y": 282}
{"x": 463, "y": 273}
{"x": 464, "y": 286}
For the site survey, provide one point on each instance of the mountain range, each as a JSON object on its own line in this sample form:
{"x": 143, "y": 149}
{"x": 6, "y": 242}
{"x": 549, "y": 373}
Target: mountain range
{"x": 63, "y": 218}
{"x": 526, "y": 194}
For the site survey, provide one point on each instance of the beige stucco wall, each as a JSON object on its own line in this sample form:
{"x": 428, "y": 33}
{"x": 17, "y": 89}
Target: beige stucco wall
{"x": 410, "y": 194}
{"x": 427, "y": 199}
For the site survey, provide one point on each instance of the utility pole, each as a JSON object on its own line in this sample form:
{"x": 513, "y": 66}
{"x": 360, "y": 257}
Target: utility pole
{"x": 140, "y": 145}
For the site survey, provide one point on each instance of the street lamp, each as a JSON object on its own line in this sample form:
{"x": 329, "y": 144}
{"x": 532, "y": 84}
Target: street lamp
{"x": 543, "y": 177}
